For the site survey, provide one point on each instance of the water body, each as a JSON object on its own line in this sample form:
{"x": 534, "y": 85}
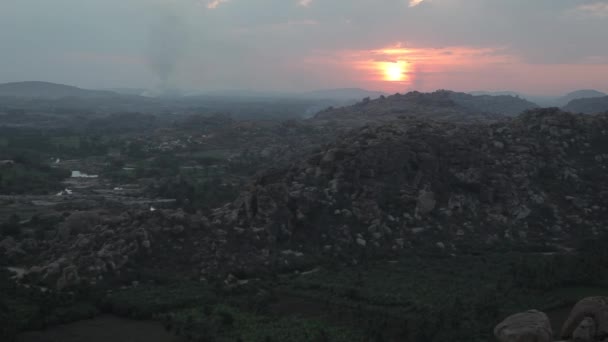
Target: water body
{"x": 106, "y": 328}
{"x": 78, "y": 174}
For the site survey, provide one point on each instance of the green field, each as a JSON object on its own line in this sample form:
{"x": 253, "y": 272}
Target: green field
{"x": 69, "y": 142}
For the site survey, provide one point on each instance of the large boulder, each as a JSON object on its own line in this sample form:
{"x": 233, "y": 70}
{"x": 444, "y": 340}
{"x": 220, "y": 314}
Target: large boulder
{"x": 585, "y": 332}
{"x": 530, "y": 326}
{"x": 69, "y": 277}
{"x": 595, "y": 308}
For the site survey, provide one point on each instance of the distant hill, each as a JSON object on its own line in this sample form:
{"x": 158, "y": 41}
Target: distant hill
{"x": 340, "y": 94}
{"x": 494, "y": 93}
{"x": 47, "y": 90}
{"x": 588, "y": 105}
{"x": 579, "y": 94}
{"x": 547, "y": 101}
{"x": 507, "y": 105}
{"x": 442, "y": 105}
{"x": 127, "y": 91}
{"x": 345, "y": 94}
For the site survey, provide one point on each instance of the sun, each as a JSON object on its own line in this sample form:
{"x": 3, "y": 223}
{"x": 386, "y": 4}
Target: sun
{"x": 395, "y": 71}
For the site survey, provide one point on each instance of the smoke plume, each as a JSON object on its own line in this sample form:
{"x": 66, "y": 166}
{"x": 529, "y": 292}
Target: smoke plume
{"x": 167, "y": 42}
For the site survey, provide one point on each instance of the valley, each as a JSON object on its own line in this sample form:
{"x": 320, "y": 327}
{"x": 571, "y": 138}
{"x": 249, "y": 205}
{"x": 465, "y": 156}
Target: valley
{"x": 416, "y": 217}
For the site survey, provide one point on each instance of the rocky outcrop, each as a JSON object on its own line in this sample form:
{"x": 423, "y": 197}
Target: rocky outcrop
{"x": 588, "y": 319}
{"x": 585, "y": 332}
{"x": 530, "y": 326}
{"x": 588, "y": 322}
{"x": 91, "y": 246}
{"x": 381, "y": 190}
{"x": 410, "y": 184}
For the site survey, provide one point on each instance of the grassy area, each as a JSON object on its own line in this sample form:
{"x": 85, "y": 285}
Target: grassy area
{"x": 225, "y": 323}
{"x": 418, "y": 299}
{"x": 461, "y": 297}
{"x": 68, "y": 142}
{"x": 146, "y": 301}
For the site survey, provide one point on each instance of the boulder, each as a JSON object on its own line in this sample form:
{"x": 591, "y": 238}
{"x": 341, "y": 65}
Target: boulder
{"x": 595, "y": 308}
{"x": 585, "y": 332}
{"x": 530, "y": 326}
{"x": 426, "y": 202}
{"x": 69, "y": 277}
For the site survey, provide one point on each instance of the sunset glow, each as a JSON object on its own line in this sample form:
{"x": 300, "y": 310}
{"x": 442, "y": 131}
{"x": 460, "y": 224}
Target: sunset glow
{"x": 394, "y": 72}
{"x": 400, "y": 68}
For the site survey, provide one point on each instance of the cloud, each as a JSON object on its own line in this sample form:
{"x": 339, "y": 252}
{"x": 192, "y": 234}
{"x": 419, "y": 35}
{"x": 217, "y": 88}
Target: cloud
{"x": 597, "y": 9}
{"x": 261, "y": 43}
{"x": 213, "y": 4}
{"x": 414, "y": 3}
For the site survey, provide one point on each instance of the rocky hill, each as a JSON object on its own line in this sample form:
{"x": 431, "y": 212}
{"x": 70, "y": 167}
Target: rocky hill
{"x": 579, "y": 94}
{"x": 441, "y": 105}
{"x": 588, "y": 105}
{"x": 538, "y": 180}
{"x": 344, "y": 94}
{"x": 505, "y": 105}
{"x": 46, "y": 90}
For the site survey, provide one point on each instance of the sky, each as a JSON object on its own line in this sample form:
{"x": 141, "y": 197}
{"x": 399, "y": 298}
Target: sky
{"x": 530, "y": 46}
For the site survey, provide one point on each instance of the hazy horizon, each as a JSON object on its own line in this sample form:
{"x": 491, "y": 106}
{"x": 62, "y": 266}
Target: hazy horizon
{"x": 545, "y": 47}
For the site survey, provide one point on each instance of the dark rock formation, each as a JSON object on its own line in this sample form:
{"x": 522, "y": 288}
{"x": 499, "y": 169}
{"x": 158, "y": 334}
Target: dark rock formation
{"x": 588, "y": 319}
{"x": 530, "y": 326}
{"x": 409, "y": 184}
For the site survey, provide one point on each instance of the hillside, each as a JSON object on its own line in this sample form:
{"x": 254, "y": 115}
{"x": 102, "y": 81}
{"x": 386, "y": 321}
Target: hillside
{"x": 343, "y": 94}
{"x": 579, "y": 94}
{"x": 391, "y": 222}
{"x": 441, "y": 105}
{"x": 506, "y": 105}
{"x": 413, "y": 185}
{"x": 588, "y": 105}
{"x": 46, "y": 90}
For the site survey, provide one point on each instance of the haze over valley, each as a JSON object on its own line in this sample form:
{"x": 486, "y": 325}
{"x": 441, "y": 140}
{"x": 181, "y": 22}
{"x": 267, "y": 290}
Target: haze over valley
{"x": 304, "y": 170}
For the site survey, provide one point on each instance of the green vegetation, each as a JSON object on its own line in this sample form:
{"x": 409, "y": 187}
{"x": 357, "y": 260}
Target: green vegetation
{"x": 147, "y": 301}
{"x": 224, "y": 323}
{"x": 23, "y": 308}
{"x": 67, "y": 142}
{"x": 415, "y": 298}
{"x": 27, "y": 176}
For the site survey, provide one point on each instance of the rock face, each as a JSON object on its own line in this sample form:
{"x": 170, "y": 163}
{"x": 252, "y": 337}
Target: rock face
{"x": 588, "y": 319}
{"x": 530, "y": 326}
{"x": 537, "y": 179}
